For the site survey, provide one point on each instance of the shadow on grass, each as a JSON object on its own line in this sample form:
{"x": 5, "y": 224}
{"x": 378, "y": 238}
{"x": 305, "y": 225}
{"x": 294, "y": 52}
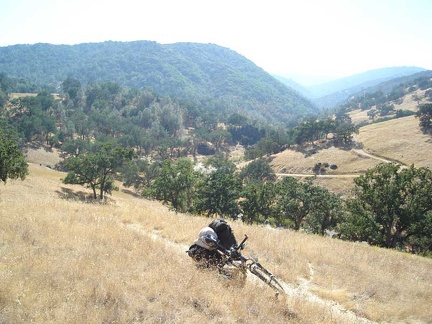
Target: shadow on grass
{"x": 311, "y": 149}
{"x": 81, "y": 196}
{"x": 38, "y": 145}
{"x": 132, "y": 193}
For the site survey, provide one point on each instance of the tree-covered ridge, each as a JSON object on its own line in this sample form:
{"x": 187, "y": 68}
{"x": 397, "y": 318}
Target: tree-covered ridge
{"x": 199, "y": 72}
{"x": 390, "y": 90}
{"x": 381, "y": 101}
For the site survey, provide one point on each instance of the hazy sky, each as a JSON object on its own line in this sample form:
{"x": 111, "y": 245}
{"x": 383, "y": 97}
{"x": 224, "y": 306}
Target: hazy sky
{"x": 312, "y": 37}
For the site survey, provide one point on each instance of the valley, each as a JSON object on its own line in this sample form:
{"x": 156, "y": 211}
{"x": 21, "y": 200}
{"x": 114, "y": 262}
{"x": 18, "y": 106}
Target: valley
{"x": 143, "y": 115}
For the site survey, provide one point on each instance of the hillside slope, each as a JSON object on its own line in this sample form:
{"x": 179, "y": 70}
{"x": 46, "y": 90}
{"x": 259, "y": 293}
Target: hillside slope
{"x": 64, "y": 260}
{"x": 398, "y": 140}
{"x": 330, "y": 94}
{"x": 190, "y": 71}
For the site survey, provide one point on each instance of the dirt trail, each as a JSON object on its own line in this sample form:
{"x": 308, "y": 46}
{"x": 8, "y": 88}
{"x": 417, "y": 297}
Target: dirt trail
{"x": 301, "y": 291}
{"x": 362, "y": 152}
{"x": 305, "y": 175}
{"x": 359, "y": 152}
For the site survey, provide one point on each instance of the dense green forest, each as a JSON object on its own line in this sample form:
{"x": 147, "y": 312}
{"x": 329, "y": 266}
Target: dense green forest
{"x": 207, "y": 74}
{"x": 152, "y": 142}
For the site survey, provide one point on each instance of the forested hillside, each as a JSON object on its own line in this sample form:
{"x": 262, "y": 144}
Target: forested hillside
{"x": 204, "y": 73}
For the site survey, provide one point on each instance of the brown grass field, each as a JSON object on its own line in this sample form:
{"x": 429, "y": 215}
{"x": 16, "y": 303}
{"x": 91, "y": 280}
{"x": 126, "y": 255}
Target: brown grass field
{"x": 399, "y": 140}
{"x": 63, "y": 260}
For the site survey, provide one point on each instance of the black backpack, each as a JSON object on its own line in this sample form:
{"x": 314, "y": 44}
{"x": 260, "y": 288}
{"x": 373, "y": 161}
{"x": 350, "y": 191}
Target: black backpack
{"x": 224, "y": 233}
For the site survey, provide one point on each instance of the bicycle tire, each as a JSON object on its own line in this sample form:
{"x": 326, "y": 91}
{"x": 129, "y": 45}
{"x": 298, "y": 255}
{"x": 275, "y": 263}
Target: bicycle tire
{"x": 266, "y": 276}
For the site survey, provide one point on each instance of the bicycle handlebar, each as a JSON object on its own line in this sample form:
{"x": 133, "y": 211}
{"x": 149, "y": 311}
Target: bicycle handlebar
{"x": 242, "y": 242}
{"x": 229, "y": 252}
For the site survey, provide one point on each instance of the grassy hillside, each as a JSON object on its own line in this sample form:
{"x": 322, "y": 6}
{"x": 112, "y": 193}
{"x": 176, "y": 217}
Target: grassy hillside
{"x": 64, "y": 260}
{"x": 396, "y": 140}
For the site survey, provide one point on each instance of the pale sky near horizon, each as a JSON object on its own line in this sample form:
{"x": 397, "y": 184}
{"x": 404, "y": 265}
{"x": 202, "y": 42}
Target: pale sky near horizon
{"x": 307, "y": 37}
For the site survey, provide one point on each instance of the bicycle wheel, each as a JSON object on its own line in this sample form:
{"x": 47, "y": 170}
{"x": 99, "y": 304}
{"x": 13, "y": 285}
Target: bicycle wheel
{"x": 266, "y": 276}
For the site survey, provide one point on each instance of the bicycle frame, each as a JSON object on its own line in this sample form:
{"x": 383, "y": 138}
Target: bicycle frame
{"x": 252, "y": 265}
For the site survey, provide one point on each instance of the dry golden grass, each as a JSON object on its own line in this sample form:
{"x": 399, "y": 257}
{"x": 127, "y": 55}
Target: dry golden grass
{"x": 360, "y": 116}
{"x": 21, "y": 94}
{"x": 26, "y": 94}
{"x": 236, "y": 153}
{"x": 400, "y": 140}
{"x": 43, "y": 155}
{"x": 73, "y": 262}
{"x": 350, "y": 163}
{"x": 408, "y": 103}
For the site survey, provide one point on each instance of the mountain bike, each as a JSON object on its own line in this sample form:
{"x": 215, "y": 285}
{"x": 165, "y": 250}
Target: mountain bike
{"x": 234, "y": 258}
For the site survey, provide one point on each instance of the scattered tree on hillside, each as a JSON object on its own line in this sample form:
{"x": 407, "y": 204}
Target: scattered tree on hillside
{"x": 139, "y": 174}
{"x": 257, "y": 203}
{"x": 219, "y": 160}
{"x": 385, "y": 109}
{"x": 326, "y": 213}
{"x": 266, "y": 145}
{"x": 416, "y": 98}
{"x": 313, "y": 130}
{"x": 257, "y": 171}
{"x": 175, "y": 184}
{"x": 391, "y": 205}
{"x": 245, "y": 134}
{"x": 13, "y": 164}
{"x": 308, "y": 131}
{"x": 217, "y": 194}
{"x": 97, "y": 168}
{"x": 425, "y": 117}
{"x": 294, "y": 202}
{"x": 344, "y": 133}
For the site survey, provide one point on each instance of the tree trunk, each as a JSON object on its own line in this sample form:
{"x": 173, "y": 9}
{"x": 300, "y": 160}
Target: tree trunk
{"x": 389, "y": 238}
{"x": 94, "y": 191}
{"x": 101, "y": 191}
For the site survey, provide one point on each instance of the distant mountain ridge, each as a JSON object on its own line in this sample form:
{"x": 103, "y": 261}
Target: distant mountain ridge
{"x": 294, "y": 85}
{"x": 332, "y": 93}
{"x": 190, "y": 71}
